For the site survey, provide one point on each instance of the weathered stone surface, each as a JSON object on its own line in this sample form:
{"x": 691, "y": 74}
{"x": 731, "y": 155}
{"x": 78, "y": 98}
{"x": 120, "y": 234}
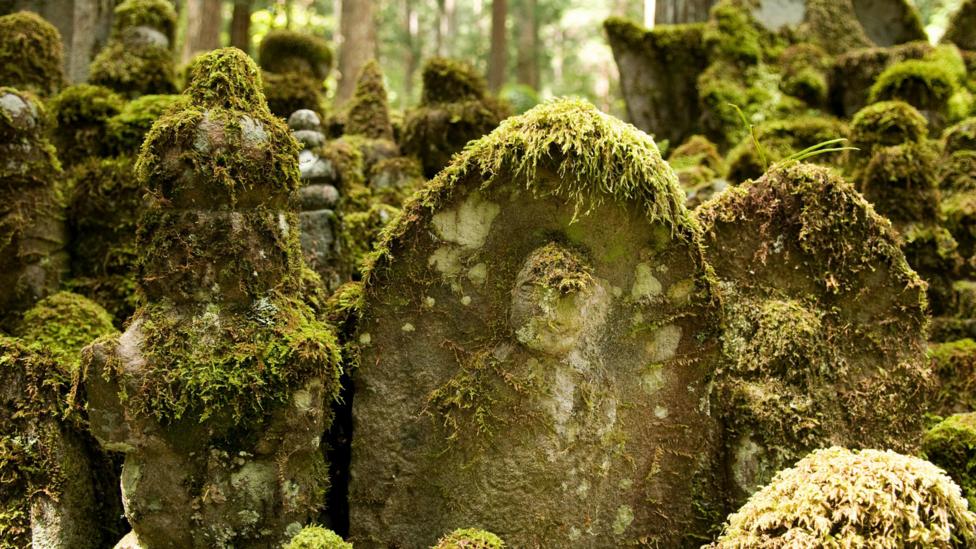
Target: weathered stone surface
{"x": 538, "y": 328}
{"x": 824, "y": 323}
{"x": 226, "y": 371}
{"x": 32, "y": 232}
{"x": 138, "y": 58}
{"x": 962, "y": 26}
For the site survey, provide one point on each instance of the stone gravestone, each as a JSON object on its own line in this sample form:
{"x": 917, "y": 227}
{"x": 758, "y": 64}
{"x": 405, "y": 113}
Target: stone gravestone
{"x": 31, "y": 54}
{"x": 219, "y": 390}
{"x": 138, "y": 58}
{"x": 535, "y": 348}
{"x": 824, "y": 323}
{"x": 295, "y": 67}
{"x": 32, "y": 233}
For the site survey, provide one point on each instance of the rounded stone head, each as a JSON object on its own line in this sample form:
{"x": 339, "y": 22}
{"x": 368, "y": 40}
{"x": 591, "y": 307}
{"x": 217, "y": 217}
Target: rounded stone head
{"x": 31, "y": 54}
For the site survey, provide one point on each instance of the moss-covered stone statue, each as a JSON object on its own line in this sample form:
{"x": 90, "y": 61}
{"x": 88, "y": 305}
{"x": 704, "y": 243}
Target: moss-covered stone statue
{"x": 81, "y": 113}
{"x": 295, "y": 67}
{"x": 219, "y": 389}
{"x": 105, "y": 202}
{"x": 454, "y": 109}
{"x": 536, "y": 339}
{"x": 138, "y": 58}
{"x": 31, "y": 54}
{"x": 470, "y": 538}
{"x": 951, "y": 445}
{"x": 824, "y": 323}
{"x": 962, "y": 26}
{"x": 32, "y": 233}
{"x": 700, "y": 169}
{"x": 841, "y": 498}
{"x": 57, "y": 487}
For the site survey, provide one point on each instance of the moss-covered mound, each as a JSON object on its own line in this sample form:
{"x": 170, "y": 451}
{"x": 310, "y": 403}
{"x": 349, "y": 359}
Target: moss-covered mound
{"x": 450, "y": 81}
{"x": 952, "y": 445}
{"x": 960, "y": 137}
{"x": 780, "y": 139}
{"x": 368, "y": 114}
{"x": 470, "y": 538}
{"x": 283, "y": 51}
{"x": 962, "y": 26}
{"x": 81, "y": 113}
{"x": 901, "y": 181}
{"x": 317, "y": 537}
{"x": 155, "y": 14}
{"x": 31, "y": 54}
{"x": 885, "y": 124}
{"x": 841, "y": 498}
{"x": 129, "y": 127}
{"x": 954, "y": 364}
{"x": 933, "y": 84}
{"x": 292, "y": 91}
{"x": 61, "y": 325}
{"x": 958, "y": 173}
{"x": 806, "y": 73}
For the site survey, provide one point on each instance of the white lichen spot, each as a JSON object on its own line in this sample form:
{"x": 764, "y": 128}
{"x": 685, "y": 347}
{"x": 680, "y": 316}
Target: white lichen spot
{"x": 625, "y": 484}
{"x": 447, "y": 260}
{"x": 467, "y": 225}
{"x": 680, "y": 291}
{"x": 574, "y": 533}
{"x": 478, "y": 273}
{"x": 429, "y": 302}
{"x": 660, "y": 412}
{"x": 466, "y": 300}
{"x": 407, "y": 327}
{"x": 665, "y": 343}
{"x": 652, "y": 378}
{"x": 583, "y": 488}
{"x": 617, "y": 291}
{"x": 625, "y": 515}
{"x": 646, "y": 286}
{"x": 365, "y": 338}
{"x": 302, "y": 400}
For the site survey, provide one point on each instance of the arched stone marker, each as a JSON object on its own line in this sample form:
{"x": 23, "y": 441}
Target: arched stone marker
{"x": 536, "y": 345}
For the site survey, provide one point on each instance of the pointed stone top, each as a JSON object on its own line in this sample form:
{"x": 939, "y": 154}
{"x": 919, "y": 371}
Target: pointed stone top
{"x": 450, "y": 80}
{"x": 155, "y": 14}
{"x": 369, "y": 114}
{"x": 226, "y": 78}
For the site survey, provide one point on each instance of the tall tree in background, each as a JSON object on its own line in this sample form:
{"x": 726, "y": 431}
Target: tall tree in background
{"x": 669, "y": 12}
{"x": 498, "y": 58}
{"x": 527, "y": 60}
{"x": 357, "y": 44}
{"x": 240, "y": 25}
{"x": 204, "y": 20}
{"x": 413, "y": 51}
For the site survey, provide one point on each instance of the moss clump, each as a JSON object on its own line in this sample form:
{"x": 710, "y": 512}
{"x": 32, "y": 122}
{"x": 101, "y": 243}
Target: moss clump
{"x": 901, "y": 183}
{"x": 81, "y": 113}
{"x": 960, "y": 30}
{"x": 134, "y": 70}
{"x": 780, "y": 139}
{"x": 958, "y": 173}
{"x": 284, "y": 51}
{"x": 952, "y": 446}
{"x": 806, "y": 70}
{"x": 155, "y": 14}
{"x": 317, "y": 537}
{"x": 450, "y": 81}
{"x": 839, "y": 498}
{"x": 368, "y": 114}
{"x": 885, "y": 124}
{"x": 435, "y": 133}
{"x": 697, "y": 150}
{"x": 127, "y": 130}
{"x": 932, "y": 84}
{"x": 961, "y": 137}
{"x": 954, "y": 364}
{"x": 289, "y": 92}
{"x": 62, "y": 324}
{"x": 733, "y": 34}
{"x": 470, "y": 538}
{"x": 362, "y": 229}
{"x": 833, "y": 25}
{"x": 31, "y": 54}
{"x": 226, "y": 79}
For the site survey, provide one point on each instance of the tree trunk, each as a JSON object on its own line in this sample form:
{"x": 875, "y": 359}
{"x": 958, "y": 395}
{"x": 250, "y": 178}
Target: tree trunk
{"x": 240, "y": 25}
{"x": 528, "y": 45}
{"x": 357, "y": 44}
{"x": 498, "y": 57}
{"x": 670, "y": 12}
{"x": 204, "y": 20}
{"x": 411, "y": 52}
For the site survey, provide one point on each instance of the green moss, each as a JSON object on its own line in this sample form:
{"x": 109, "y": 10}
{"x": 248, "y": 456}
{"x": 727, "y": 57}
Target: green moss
{"x": 839, "y": 498}
{"x": 958, "y": 173}
{"x": 292, "y": 91}
{"x": 833, "y": 25}
{"x": 470, "y": 538}
{"x": 806, "y": 70}
{"x": 62, "y": 324}
{"x": 362, "y": 228}
{"x": 886, "y": 124}
{"x": 127, "y": 130}
{"x": 344, "y": 306}
{"x": 226, "y": 79}
{"x": 954, "y": 364}
{"x": 134, "y": 70}
{"x": 317, "y": 537}
{"x": 697, "y": 150}
{"x": 961, "y": 137}
{"x": 779, "y": 139}
{"x": 368, "y": 114}
{"x": 450, "y": 81}
{"x": 81, "y": 113}
{"x": 933, "y": 83}
{"x": 672, "y": 44}
{"x": 156, "y": 14}
{"x": 732, "y": 34}
{"x": 434, "y": 133}
{"x": 961, "y": 24}
{"x": 31, "y": 54}
{"x": 901, "y": 182}
{"x": 283, "y": 51}
{"x": 952, "y": 446}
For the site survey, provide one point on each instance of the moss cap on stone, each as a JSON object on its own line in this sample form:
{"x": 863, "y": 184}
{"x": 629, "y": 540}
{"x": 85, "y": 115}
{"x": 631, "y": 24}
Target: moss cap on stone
{"x": 952, "y": 445}
{"x": 369, "y": 113}
{"x": 317, "y": 537}
{"x": 31, "y": 54}
{"x": 156, "y": 14}
{"x": 470, "y": 538}
{"x": 887, "y": 123}
{"x": 285, "y": 51}
{"x": 450, "y": 80}
{"x": 82, "y": 104}
{"x": 841, "y": 498}
{"x": 62, "y": 324}
{"x": 226, "y": 78}
{"x": 128, "y": 128}
{"x": 564, "y": 148}
{"x": 961, "y": 137}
